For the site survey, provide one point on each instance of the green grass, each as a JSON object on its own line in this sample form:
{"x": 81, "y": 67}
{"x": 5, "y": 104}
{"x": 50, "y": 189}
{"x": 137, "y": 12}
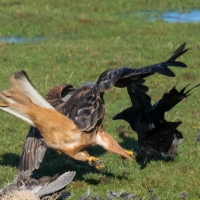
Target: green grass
{"x": 112, "y": 40}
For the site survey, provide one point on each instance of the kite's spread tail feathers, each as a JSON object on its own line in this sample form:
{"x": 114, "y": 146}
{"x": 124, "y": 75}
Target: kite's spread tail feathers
{"x": 20, "y": 97}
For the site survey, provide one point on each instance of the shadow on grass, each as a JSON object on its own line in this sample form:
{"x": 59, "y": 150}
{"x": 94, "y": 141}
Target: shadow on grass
{"x": 58, "y": 163}
{"x": 10, "y": 159}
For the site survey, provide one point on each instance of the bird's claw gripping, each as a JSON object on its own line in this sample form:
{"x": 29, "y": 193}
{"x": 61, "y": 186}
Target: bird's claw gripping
{"x": 93, "y": 161}
{"x": 130, "y": 153}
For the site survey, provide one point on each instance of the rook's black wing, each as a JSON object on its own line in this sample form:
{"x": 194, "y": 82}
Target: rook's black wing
{"x": 138, "y": 95}
{"x": 141, "y": 103}
{"x": 170, "y": 99}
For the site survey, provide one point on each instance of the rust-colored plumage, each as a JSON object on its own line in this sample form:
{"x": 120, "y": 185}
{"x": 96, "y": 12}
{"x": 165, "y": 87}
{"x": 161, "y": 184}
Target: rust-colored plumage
{"x": 85, "y": 106}
{"x": 58, "y": 131}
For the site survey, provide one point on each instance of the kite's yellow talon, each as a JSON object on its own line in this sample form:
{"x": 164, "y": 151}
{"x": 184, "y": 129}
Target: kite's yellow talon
{"x": 92, "y": 158}
{"x": 130, "y": 153}
{"x": 93, "y": 161}
{"x": 99, "y": 167}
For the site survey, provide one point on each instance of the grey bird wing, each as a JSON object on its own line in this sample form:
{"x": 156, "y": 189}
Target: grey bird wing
{"x": 58, "y": 184}
{"x": 41, "y": 187}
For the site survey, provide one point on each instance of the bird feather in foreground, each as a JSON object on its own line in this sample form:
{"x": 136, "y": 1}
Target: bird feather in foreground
{"x": 85, "y": 105}
{"x": 155, "y": 134}
{"x": 59, "y": 132}
{"x": 25, "y": 187}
